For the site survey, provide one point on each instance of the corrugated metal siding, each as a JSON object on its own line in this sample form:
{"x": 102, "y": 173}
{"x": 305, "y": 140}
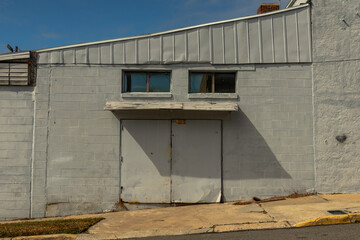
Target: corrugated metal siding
{"x": 277, "y": 38}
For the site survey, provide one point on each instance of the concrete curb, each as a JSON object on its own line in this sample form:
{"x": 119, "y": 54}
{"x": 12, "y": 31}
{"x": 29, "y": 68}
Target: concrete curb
{"x": 48, "y": 237}
{"x": 141, "y": 234}
{"x": 188, "y": 231}
{"x": 250, "y": 226}
{"x": 332, "y": 219}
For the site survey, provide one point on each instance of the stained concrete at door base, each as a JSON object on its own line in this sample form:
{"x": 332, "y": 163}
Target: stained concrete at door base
{"x": 63, "y": 209}
{"x": 138, "y": 206}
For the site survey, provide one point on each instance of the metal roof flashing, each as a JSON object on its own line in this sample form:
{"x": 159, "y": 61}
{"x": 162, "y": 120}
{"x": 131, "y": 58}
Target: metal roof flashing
{"x": 14, "y": 56}
{"x": 294, "y": 3}
{"x": 169, "y": 31}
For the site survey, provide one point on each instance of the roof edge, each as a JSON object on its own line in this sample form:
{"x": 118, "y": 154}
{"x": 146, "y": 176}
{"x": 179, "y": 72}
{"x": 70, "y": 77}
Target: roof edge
{"x": 168, "y": 31}
{"x": 14, "y": 56}
{"x": 290, "y": 4}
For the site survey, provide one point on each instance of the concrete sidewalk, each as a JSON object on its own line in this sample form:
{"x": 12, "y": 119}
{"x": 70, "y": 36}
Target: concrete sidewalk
{"x": 222, "y": 217}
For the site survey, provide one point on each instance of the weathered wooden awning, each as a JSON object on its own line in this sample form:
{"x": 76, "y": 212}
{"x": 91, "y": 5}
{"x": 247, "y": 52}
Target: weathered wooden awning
{"x": 194, "y": 106}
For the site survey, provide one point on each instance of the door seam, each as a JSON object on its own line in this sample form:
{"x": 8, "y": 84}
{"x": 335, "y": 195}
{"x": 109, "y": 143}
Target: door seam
{"x": 221, "y": 162}
{"x": 171, "y": 160}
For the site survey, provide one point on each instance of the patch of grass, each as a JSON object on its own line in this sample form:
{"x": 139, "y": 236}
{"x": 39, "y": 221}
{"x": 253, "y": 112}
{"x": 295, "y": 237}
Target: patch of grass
{"x": 63, "y": 226}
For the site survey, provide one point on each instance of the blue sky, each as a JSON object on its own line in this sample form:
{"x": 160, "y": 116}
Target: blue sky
{"x": 35, "y": 24}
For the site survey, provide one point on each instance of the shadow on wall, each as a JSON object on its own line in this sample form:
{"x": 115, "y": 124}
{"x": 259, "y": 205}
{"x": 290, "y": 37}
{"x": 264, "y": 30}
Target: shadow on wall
{"x": 247, "y": 154}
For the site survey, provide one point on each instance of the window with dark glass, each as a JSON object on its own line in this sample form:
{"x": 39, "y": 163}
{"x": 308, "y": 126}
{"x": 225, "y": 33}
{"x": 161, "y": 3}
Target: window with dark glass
{"x": 146, "y": 82}
{"x": 212, "y": 82}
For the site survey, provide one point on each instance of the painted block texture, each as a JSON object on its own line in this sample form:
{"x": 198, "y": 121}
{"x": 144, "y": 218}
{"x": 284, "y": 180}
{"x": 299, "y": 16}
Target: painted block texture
{"x": 336, "y": 37}
{"x": 83, "y": 141}
{"x": 268, "y": 144}
{"x": 16, "y": 125}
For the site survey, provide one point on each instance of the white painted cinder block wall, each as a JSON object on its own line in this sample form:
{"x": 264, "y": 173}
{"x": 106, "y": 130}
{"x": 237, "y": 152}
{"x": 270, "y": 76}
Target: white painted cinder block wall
{"x": 268, "y": 145}
{"x": 336, "y": 76}
{"x": 82, "y": 172}
{"x": 16, "y": 137}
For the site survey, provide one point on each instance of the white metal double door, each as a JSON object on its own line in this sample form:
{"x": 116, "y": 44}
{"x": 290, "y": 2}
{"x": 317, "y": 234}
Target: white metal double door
{"x": 166, "y": 161}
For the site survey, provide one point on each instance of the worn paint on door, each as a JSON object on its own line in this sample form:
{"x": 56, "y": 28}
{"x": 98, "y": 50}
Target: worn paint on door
{"x": 145, "y": 169}
{"x": 196, "y": 161}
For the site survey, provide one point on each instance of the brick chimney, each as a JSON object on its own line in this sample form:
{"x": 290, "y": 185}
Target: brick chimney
{"x": 268, "y": 7}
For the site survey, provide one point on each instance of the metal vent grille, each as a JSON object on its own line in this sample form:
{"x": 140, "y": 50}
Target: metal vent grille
{"x": 337, "y": 212}
{"x": 14, "y": 74}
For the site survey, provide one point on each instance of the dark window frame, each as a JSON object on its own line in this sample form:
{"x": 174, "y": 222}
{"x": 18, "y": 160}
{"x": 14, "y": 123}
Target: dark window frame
{"x": 147, "y": 72}
{"x": 212, "y": 80}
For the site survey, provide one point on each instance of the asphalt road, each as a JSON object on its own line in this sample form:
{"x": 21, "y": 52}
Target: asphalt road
{"x": 331, "y": 232}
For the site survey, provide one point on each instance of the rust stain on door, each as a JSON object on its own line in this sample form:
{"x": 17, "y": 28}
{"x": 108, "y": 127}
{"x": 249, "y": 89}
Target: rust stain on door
{"x": 180, "y": 121}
